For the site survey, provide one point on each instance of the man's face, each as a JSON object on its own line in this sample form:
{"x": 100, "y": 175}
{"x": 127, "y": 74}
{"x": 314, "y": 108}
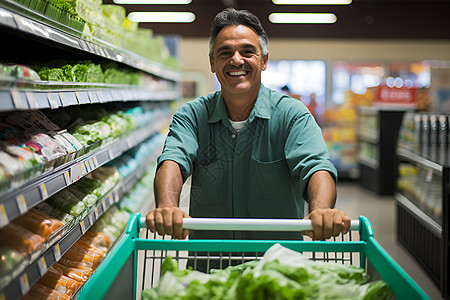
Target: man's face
{"x": 238, "y": 61}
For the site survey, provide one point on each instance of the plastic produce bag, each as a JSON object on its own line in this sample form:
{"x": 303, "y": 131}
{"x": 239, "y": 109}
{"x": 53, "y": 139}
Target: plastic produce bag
{"x": 21, "y": 239}
{"x": 39, "y": 291}
{"x": 84, "y": 254}
{"x": 38, "y": 223}
{"x": 53, "y": 212}
{"x": 59, "y": 282}
{"x": 97, "y": 239}
{"x": 67, "y": 202}
{"x": 80, "y": 274}
{"x": 46, "y": 146}
{"x": 10, "y": 258}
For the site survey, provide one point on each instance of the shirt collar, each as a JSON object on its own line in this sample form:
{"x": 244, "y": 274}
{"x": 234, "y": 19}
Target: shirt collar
{"x": 261, "y": 109}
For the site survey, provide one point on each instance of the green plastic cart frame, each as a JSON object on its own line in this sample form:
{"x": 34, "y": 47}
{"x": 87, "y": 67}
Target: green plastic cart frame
{"x": 117, "y": 275}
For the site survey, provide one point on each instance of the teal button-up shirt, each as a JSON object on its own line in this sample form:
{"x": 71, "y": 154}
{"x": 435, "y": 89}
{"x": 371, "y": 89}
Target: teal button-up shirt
{"x": 260, "y": 172}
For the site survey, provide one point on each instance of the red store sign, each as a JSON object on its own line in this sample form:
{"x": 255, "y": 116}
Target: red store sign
{"x": 404, "y": 97}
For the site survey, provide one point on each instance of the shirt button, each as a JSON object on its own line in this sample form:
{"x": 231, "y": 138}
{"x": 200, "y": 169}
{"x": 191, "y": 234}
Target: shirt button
{"x": 233, "y": 136}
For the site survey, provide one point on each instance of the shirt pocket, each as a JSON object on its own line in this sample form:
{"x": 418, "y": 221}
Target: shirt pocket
{"x": 271, "y": 190}
{"x": 208, "y": 192}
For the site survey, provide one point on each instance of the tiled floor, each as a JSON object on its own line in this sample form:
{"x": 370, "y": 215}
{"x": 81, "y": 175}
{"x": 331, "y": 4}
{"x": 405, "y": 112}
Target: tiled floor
{"x": 381, "y": 212}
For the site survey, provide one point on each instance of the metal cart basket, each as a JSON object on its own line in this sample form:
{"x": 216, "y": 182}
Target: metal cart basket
{"x": 134, "y": 263}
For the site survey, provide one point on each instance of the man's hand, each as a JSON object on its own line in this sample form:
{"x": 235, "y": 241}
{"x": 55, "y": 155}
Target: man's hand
{"x": 168, "y": 220}
{"x": 327, "y": 223}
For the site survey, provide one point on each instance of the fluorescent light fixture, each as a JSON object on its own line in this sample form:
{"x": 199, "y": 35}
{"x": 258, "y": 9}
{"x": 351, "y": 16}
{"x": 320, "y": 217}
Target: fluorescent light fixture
{"x": 152, "y": 1}
{"x": 312, "y": 2}
{"x": 302, "y": 18}
{"x": 161, "y": 17}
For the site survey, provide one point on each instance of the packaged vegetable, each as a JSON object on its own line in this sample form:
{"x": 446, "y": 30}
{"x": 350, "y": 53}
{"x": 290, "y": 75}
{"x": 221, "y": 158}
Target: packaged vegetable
{"x": 46, "y": 146}
{"x": 97, "y": 239}
{"x": 38, "y": 223}
{"x": 67, "y": 202}
{"x": 59, "y": 282}
{"x": 83, "y": 253}
{"x": 80, "y": 274}
{"x": 88, "y": 199}
{"x": 39, "y": 292}
{"x": 53, "y": 212}
{"x": 19, "y": 238}
{"x": 10, "y": 258}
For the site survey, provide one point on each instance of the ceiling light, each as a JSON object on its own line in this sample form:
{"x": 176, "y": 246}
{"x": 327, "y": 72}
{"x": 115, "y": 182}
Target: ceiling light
{"x": 302, "y": 18}
{"x": 161, "y": 17}
{"x": 312, "y": 2}
{"x": 152, "y": 1}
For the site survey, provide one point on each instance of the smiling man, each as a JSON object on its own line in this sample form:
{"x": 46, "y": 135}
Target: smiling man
{"x": 252, "y": 152}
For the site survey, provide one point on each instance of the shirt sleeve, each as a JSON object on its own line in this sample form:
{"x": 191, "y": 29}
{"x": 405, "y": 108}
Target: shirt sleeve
{"x": 181, "y": 142}
{"x": 306, "y": 150}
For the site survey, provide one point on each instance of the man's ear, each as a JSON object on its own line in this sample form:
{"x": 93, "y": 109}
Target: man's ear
{"x": 265, "y": 60}
{"x": 211, "y": 63}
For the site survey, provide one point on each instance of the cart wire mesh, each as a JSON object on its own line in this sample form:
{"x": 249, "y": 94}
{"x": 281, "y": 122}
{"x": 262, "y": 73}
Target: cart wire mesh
{"x": 150, "y": 261}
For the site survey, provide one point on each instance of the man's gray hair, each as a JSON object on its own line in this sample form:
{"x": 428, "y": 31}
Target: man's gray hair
{"x": 231, "y": 16}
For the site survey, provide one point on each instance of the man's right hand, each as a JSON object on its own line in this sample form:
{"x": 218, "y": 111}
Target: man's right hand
{"x": 168, "y": 220}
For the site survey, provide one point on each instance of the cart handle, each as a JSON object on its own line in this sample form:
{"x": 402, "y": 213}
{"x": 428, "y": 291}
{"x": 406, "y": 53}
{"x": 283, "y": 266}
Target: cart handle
{"x": 250, "y": 224}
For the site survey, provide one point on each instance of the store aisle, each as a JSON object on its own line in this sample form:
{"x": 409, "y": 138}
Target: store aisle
{"x": 381, "y": 211}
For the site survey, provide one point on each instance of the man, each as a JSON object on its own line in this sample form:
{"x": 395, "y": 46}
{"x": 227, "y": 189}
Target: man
{"x": 252, "y": 152}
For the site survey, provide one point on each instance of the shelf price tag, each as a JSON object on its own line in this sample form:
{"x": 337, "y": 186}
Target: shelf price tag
{"x": 43, "y": 190}
{"x": 104, "y": 207}
{"x": 96, "y": 213}
{"x": 83, "y": 169}
{"x": 57, "y": 252}
{"x": 116, "y": 195}
{"x": 90, "y": 216}
{"x": 88, "y": 167}
{"x": 31, "y": 100}
{"x": 62, "y": 96}
{"x": 111, "y": 154}
{"x": 67, "y": 177}
{"x": 95, "y": 161}
{"x": 52, "y": 100}
{"x": 110, "y": 199}
{"x": 3, "y": 216}
{"x": 76, "y": 171}
{"x": 21, "y": 203}
{"x": 2, "y": 296}
{"x": 83, "y": 227}
{"x": 24, "y": 283}
{"x": 18, "y": 101}
{"x": 91, "y": 164}
{"x": 42, "y": 265}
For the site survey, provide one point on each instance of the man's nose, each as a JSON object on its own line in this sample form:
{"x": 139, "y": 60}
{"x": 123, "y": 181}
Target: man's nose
{"x": 236, "y": 59}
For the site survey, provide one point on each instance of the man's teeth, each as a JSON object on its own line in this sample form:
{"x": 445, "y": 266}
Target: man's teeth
{"x": 238, "y": 73}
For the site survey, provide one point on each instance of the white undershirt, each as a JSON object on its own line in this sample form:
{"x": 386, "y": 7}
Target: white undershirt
{"x": 238, "y": 125}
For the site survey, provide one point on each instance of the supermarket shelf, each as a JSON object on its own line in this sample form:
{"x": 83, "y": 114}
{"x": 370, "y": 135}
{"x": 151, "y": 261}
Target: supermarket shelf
{"x": 22, "y": 198}
{"x": 368, "y": 161}
{"x": 414, "y": 157}
{"x": 23, "y": 99}
{"x": 35, "y": 28}
{"x": 428, "y": 222}
{"x": 22, "y": 283}
{"x": 369, "y": 138}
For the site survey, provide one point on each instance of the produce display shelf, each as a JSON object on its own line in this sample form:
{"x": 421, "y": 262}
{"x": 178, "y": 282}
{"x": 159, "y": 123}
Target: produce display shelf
{"x": 22, "y": 283}
{"x": 428, "y": 222}
{"x": 17, "y": 201}
{"x": 24, "y": 99}
{"x": 35, "y": 28}
{"x": 408, "y": 155}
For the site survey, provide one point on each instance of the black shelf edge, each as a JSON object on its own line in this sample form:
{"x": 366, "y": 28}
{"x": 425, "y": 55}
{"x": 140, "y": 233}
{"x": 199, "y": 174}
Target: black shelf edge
{"x": 416, "y": 158}
{"x": 431, "y": 224}
{"x": 21, "y": 284}
{"x": 22, "y": 198}
{"x": 36, "y": 28}
{"x": 23, "y": 99}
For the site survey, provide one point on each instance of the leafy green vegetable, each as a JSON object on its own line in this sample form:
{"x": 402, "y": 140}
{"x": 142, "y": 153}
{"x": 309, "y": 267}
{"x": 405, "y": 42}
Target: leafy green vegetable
{"x": 280, "y": 274}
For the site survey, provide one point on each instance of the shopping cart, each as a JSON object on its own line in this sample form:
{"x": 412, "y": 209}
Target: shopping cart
{"x": 134, "y": 263}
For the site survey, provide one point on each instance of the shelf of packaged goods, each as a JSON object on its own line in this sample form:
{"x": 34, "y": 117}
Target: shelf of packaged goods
{"x": 21, "y": 284}
{"x": 17, "y": 201}
{"x": 22, "y": 99}
{"x": 368, "y": 161}
{"x": 368, "y": 137}
{"x": 427, "y": 221}
{"x": 63, "y": 35}
{"x": 415, "y": 158}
